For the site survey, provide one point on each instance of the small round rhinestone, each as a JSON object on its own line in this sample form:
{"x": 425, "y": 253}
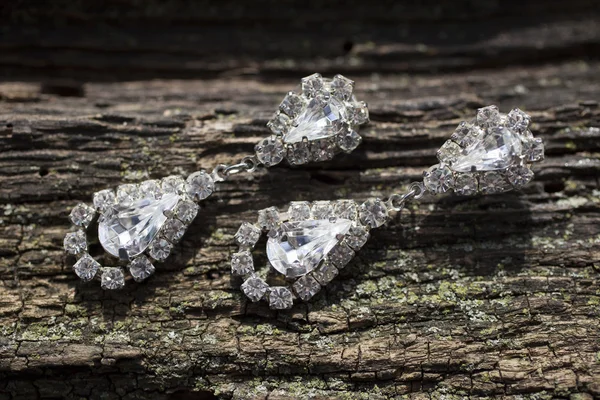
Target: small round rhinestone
{"x": 159, "y": 249}
{"x": 173, "y": 184}
{"x": 270, "y": 151}
{"x": 373, "y": 213}
{"x": 519, "y": 175}
{"x": 86, "y": 267}
{"x": 82, "y": 215}
{"x": 465, "y": 185}
{"x": 186, "y": 211}
{"x": 173, "y": 230}
{"x": 349, "y": 141}
{"x": 127, "y": 194}
{"x": 75, "y": 242}
{"x": 493, "y": 182}
{"x": 280, "y": 298}
{"x": 242, "y": 263}
{"x": 104, "y": 199}
{"x": 150, "y": 189}
{"x": 247, "y": 235}
{"x": 112, "y": 279}
{"x": 299, "y": 211}
{"x": 141, "y": 268}
{"x": 254, "y": 288}
{"x": 200, "y": 185}
{"x": 306, "y": 287}
{"x": 438, "y": 179}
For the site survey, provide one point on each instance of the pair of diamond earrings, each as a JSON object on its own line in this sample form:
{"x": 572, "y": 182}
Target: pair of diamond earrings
{"x": 138, "y": 224}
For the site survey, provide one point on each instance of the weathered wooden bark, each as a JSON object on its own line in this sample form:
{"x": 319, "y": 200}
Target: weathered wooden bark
{"x": 481, "y": 297}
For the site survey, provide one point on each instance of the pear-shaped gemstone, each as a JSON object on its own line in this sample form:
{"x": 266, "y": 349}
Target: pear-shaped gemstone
{"x": 318, "y": 121}
{"x": 296, "y": 248}
{"x": 494, "y": 148}
{"x": 126, "y": 231}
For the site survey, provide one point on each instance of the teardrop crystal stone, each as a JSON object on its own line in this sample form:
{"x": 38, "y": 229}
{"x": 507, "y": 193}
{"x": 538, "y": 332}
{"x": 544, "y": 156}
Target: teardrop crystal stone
{"x": 126, "y": 231}
{"x": 296, "y": 248}
{"x": 318, "y": 121}
{"x": 494, "y": 148}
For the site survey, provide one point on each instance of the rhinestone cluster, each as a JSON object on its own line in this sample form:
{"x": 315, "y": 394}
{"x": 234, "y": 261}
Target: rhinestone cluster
{"x": 314, "y": 123}
{"x": 328, "y": 252}
{"x": 491, "y": 154}
{"x": 152, "y": 215}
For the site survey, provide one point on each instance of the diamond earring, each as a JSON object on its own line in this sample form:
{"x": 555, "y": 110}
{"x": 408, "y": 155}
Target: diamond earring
{"x": 138, "y": 224}
{"x": 317, "y": 121}
{"x": 310, "y": 242}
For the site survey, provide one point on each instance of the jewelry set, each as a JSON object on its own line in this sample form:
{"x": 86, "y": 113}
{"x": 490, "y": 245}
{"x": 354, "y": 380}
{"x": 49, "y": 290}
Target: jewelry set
{"x": 307, "y": 243}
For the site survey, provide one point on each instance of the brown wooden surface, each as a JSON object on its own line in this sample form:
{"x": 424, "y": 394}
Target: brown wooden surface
{"x": 487, "y": 297}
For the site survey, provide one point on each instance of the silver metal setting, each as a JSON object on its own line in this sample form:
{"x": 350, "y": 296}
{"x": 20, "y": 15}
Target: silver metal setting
{"x": 306, "y": 247}
{"x": 314, "y": 123}
{"x": 491, "y": 154}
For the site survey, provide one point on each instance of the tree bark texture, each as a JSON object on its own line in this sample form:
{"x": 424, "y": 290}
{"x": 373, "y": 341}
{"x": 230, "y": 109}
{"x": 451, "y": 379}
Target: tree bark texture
{"x": 484, "y": 297}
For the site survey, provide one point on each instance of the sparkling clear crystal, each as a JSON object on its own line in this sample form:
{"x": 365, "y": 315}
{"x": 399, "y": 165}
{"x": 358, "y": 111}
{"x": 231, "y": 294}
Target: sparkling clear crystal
{"x": 159, "y": 249}
{"x": 449, "y": 152}
{"x": 299, "y": 153}
{"x": 438, "y": 179}
{"x": 306, "y": 287}
{"x": 173, "y": 184}
{"x": 493, "y": 182}
{"x": 242, "y": 263}
{"x": 82, "y": 215}
{"x": 312, "y": 84}
{"x": 360, "y": 113}
{"x": 291, "y": 104}
{"x": 518, "y": 121}
{"x": 141, "y": 268}
{"x": 488, "y": 117}
{"x": 173, "y": 230}
{"x": 280, "y": 298}
{"x": 496, "y": 148}
{"x": 270, "y": 151}
{"x": 75, "y": 242}
{"x": 357, "y": 237}
{"x": 322, "y": 150}
{"x": 268, "y": 218}
{"x": 519, "y": 175}
{"x": 340, "y": 255}
{"x": 247, "y": 235}
{"x": 186, "y": 211}
{"x": 150, "y": 189}
{"x": 349, "y": 141}
{"x": 322, "y": 98}
{"x": 373, "y": 213}
{"x": 322, "y": 210}
{"x": 200, "y": 185}
{"x": 465, "y": 184}
{"x": 127, "y": 194}
{"x": 254, "y": 288}
{"x": 347, "y": 209}
{"x": 86, "y": 267}
{"x": 112, "y": 278}
{"x": 104, "y": 199}
{"x": 296, "y": 248}
{"x": 279, "y": 124}
{"x": 317, "y": 121}
{"x": 325, "y": 273}
{"x": 342, "y": 87}
{"x": 299, "y": 210}
{"x": 536, "y": 150}
{"x": 466, "y": 133}
{"x": 126, "y": 232}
